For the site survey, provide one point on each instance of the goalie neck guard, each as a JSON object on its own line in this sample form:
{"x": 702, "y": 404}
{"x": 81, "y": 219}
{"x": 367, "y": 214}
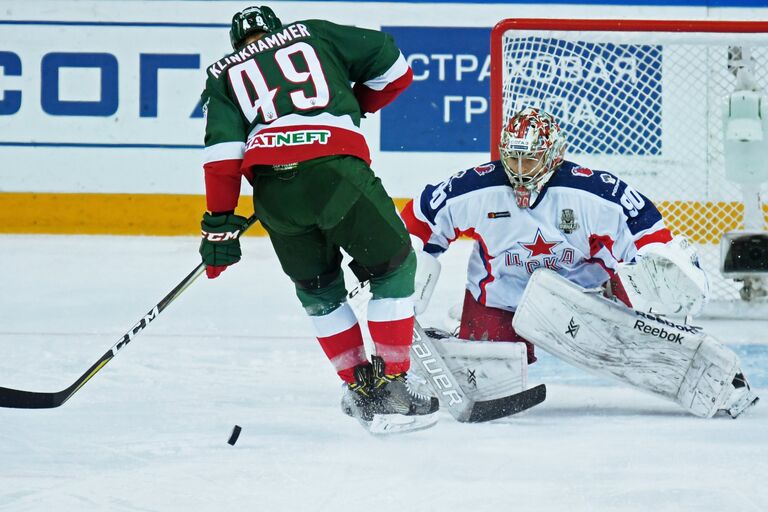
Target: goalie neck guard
{"x": 250, "y": 21}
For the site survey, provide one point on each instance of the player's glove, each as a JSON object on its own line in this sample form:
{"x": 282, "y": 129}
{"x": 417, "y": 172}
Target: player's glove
{"x": 220, "y": 246}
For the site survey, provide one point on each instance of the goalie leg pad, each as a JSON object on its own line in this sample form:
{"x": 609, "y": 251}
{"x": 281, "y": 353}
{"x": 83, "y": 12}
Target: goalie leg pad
{"x": 706, "y": 384}
{"x": 676, "y": 361}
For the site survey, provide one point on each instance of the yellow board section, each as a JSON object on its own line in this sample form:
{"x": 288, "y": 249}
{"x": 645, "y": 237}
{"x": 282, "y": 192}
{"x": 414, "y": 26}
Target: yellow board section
{"x": 177, "y": 214}
{"x": 704, "y": 222}
{"x": 110, "y": 214}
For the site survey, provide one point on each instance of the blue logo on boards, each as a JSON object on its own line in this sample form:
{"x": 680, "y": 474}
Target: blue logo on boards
{"x": 608, "y": 97}
{"x": 107, "y": 68}
{"x": 447, "y": 106}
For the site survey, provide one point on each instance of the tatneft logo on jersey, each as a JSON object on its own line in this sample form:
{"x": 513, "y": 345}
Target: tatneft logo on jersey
{"x": 281, "y": 139}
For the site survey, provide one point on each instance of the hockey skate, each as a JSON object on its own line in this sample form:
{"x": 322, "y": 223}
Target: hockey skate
{"x": 386, "y": 404}
{"x": 356, "y": 400}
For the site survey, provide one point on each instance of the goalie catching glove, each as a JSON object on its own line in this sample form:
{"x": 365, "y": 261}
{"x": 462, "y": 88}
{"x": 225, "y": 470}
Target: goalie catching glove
{"x": 666, "y": 279}
{"x": 220, "y": 246}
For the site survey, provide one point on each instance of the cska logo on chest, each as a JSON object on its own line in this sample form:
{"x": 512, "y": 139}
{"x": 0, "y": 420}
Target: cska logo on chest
{"x": 540, "y": 253}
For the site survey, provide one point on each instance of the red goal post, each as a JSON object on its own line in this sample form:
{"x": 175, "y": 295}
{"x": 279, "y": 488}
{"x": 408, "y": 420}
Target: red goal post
{"x": 640, "y": 98}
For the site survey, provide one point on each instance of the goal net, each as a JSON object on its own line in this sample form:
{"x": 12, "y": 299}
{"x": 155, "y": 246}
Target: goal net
{"x": 644, "y": 100}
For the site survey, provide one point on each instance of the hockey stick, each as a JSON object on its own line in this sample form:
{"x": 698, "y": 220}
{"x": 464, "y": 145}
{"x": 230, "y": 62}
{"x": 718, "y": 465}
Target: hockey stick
{"x": 36, "y": 400}
{"x": 448, "y": 390}
{"x": 452, "y": 395}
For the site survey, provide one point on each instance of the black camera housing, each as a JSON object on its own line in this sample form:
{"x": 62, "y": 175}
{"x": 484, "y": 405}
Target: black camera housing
{"x": 744, "y": 254}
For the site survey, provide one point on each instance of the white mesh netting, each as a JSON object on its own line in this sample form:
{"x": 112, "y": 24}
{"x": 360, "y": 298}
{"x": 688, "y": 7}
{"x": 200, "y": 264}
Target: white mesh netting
{"x": 648, "y": 107}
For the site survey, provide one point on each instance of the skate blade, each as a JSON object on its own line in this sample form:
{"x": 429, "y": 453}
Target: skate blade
{"x": 387, "y": 424}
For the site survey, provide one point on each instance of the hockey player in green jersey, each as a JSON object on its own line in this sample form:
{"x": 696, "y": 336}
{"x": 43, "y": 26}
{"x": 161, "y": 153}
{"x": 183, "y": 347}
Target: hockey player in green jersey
{"x": 281, "y": 112}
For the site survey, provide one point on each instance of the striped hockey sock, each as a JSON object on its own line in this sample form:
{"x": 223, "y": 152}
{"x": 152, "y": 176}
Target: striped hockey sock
{"x": 390, "y": 322}
{"x": 340, "y": 337}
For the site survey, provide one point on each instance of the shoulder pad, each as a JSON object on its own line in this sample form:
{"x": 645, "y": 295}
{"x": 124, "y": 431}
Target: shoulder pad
{"x": 434, "y": 197}
{"x": 601, "y": 183}
{"x": 640, "y": 211}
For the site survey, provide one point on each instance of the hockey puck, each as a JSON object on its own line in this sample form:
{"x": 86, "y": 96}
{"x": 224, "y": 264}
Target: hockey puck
{"x": 235, "y": 435}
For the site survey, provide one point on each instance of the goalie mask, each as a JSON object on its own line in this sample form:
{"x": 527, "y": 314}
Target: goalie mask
{"x": 531, "y": 148}
{"x": 250, "y": 21}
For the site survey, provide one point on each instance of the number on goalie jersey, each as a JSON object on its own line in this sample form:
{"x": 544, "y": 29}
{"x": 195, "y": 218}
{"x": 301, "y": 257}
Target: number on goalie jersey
{"x": 576, "y": 221}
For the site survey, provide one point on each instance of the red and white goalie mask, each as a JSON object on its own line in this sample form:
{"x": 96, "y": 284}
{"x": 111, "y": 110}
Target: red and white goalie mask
{"x": 531, "y": 148}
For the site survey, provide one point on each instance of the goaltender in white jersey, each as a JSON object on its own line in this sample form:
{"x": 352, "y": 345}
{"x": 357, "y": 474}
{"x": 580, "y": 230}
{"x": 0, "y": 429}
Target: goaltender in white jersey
{"x": 582, "y": 229}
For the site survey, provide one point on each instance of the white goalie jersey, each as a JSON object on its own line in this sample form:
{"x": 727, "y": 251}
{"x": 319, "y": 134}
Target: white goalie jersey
{"x": 582, "y": 229}
{"x": 583, "y": 224}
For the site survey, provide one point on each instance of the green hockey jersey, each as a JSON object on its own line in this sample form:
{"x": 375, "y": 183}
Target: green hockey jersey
{"x": 288, "y": 97}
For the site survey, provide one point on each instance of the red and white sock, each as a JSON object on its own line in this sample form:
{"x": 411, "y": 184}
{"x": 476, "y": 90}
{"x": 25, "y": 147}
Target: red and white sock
{"x": 390, "y": 322}
{"x": 341, "y": 339}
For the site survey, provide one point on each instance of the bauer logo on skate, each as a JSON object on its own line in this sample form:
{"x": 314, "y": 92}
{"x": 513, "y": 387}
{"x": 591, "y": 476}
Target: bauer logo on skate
{"x": 280, "y": 139}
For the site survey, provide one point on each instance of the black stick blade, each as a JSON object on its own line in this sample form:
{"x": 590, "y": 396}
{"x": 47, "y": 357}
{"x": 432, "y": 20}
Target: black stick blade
{"x": 506, "y": 406}
{"x": 18, "y": 399}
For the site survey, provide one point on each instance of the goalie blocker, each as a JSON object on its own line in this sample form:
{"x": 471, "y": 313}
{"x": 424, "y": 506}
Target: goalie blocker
{"x": 676, "y": 361}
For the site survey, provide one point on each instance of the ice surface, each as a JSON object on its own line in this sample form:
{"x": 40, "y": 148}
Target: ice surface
{"x": 149, "y": 432}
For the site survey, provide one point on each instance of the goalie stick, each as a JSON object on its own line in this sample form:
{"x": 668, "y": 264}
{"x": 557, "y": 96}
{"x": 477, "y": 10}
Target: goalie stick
{"x": 21, "y": 399}
{"x": 448, "y": 390}
{"x": 452, "y": 395}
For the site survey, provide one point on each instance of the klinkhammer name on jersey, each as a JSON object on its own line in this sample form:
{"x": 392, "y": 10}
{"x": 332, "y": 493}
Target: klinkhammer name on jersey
{"x": 276, "y": 40}
{"x": 295, "y": 138}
